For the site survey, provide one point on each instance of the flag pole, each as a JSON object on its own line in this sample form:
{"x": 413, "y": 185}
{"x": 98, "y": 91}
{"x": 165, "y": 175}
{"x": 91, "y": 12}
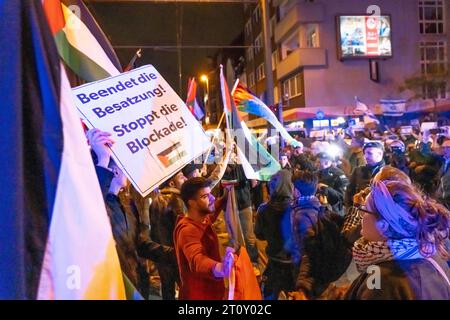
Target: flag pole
{"x": 220, "y": 122}
{"x": 138, "y": 54}
{"x": 210, "y": 148}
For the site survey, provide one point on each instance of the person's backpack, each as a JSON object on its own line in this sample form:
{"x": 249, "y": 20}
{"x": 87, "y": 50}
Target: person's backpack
{"x": 329, "y": 253}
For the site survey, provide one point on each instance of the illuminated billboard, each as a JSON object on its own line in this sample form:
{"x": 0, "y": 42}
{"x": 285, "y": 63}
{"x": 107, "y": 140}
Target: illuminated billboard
{"x": 364, "y": 37}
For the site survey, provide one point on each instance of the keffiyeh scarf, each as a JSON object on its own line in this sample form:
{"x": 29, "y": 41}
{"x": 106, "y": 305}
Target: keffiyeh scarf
{"x": 366, "y": 253}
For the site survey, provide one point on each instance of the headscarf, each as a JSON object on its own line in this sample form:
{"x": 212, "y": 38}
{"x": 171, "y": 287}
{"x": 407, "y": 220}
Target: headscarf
{"x": 400, "y": 221}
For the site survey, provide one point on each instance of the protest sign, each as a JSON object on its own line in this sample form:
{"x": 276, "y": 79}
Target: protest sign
{"x": 425, "y": 126}
{"x": 318, "y": 134}
{"x": 155, "y": 134}
{"x": 405, "y": 130}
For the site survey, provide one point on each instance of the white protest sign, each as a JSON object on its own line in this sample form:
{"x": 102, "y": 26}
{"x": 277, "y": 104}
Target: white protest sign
{"x": 155, "y": 133}
{"x": 406, "y": 130}
{"x": 317, "y": 134}
{"x": 428, "y": 126}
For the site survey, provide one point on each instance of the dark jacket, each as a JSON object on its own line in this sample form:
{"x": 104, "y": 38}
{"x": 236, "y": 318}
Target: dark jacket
{"x": 164, "y": 212}
{"x": 360, "y": 179}
{"x": 272, "y": 217}
{"x": 131, "y": 236}
{"x": 165, "y": 209}
{"x": 305, "y": 217}
{"x": 443, "y": 192}
{"x": 403, "y": 280}
{"x": 337, "y": 183}
{"x": 243, "y": 193}
{"x": 399, "y": 161}
{"x": 424, "y": 165}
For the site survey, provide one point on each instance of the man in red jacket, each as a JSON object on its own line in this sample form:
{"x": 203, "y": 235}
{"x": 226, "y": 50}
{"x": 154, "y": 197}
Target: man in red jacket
{"x": 197, "y": 246}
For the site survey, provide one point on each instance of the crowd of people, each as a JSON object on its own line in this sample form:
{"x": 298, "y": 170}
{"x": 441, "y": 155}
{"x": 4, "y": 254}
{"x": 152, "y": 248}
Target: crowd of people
{"x": 377, "y": 202}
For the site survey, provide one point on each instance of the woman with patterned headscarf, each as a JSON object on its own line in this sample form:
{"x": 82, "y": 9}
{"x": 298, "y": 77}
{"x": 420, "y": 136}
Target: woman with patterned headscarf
{"x": 402, "y": 253}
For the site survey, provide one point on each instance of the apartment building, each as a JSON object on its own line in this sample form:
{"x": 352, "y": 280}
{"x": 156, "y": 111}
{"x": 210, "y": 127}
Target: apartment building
{"x": 307, "y": 68}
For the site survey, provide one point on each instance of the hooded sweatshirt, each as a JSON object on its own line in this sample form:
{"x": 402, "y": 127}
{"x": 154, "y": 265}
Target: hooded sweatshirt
{"x": 272, "y": 221}
{"x": 197, "y": 251}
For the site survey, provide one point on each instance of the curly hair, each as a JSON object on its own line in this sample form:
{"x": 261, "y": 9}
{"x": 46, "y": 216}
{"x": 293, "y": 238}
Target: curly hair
{"x": 433, "y": 219}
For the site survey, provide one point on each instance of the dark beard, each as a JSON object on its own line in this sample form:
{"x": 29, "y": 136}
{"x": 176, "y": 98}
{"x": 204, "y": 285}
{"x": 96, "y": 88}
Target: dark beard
{"x": 205, "y": 212}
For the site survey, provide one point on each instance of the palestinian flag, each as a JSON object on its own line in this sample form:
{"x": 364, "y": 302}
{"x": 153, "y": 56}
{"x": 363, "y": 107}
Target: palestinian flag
{"x": 256, "y": 161}
{"x": 246, "y": 101}
{"x": 192, "y": 102}
{"x": 172, "y": 154}
{"x": 81, "y": 43}
{"x": 56, "y": 240}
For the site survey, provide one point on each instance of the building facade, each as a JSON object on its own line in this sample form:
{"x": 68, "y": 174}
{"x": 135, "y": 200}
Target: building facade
{"x": 307, "y": 69}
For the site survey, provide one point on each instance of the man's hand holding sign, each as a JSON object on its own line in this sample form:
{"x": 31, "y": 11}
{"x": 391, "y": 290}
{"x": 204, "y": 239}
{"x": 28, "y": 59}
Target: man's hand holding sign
{"x": 154, "y": 132}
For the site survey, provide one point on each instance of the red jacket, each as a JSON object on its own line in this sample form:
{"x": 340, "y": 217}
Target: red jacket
{"x": 197, "y": 250}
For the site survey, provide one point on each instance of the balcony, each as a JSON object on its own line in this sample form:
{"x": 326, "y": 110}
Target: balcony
{"x": 276, "y": 3}
{"x": 300, "y": 13}
{"x": 303, "y": 57}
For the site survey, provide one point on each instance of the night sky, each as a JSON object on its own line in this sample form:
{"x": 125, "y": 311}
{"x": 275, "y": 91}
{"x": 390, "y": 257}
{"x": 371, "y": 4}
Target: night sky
{"x": 155, "y": 24}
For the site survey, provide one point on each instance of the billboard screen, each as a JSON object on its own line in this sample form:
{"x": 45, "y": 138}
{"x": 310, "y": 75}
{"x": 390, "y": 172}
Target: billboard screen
{"x": 364, "y": 37}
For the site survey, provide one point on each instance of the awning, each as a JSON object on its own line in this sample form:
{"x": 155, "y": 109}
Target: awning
{"x": 297, "y": 114}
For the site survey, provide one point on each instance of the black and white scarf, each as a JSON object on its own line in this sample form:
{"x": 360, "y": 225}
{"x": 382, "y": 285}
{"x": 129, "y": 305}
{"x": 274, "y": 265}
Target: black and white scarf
{"x": 366, "y": 253}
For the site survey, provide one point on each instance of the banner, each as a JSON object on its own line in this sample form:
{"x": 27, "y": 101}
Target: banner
{"x": 155, "y": 134}
{"x": 363, "y": 36}
{"x": 372, "y": 38}
{"x": 393, "y": 108}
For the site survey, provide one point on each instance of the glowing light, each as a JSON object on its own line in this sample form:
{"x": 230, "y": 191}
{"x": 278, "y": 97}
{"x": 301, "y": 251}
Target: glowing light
{"x": 334, "y": 151}
{"x": 340, "y": 120}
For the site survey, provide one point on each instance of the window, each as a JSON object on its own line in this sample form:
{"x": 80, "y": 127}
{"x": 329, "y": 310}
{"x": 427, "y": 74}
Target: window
{"x": 260, "y": 72}
{"x": 257, "y": 14}
{"x": 248, "y": 29}
{"x": 285, "y": 7}
{"x": 431, "y": 16}
{"x": 275, "y": 59}
{"x": 273, "y": 23}
{"x": 292, "y": 87}
{"x": 289, "y": 46}
{"x": 258, "y": 43}
{"x": 251, "y": 79}
{"x": 312, "y": 35}
{"x": 433, "y": 59}
{"x": 250, "y": 54}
